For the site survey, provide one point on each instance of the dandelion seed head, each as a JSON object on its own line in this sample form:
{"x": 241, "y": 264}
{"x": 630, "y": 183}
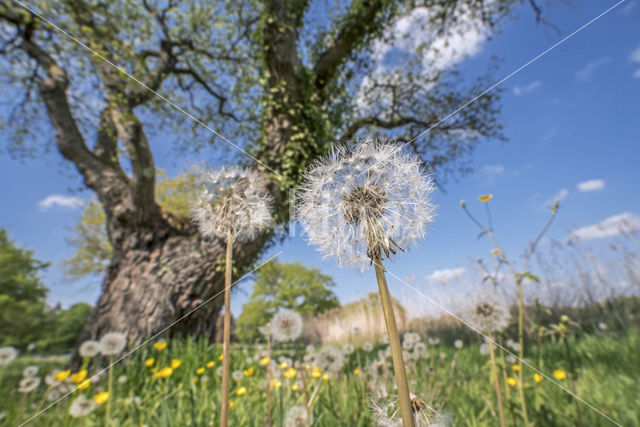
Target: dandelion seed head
{"x": 286, "y": 325}
{"x": 365, "y": 201}
{"x": 367, "y": 346}
{"x": 81, "y": 406}
{"x": 112, "y": 343}
{"x": 30, "y": 371}
{"x": 386, "y": 411}
{"x": 237, "y": 375}
{"x": 296, "y": 417}
{"x": 89, "y": 348}
{"x": 27, "y": 385}
{"x": 7, "y": 355}
{"x": 486, "y": 311}
{"x": 232, "y": 200}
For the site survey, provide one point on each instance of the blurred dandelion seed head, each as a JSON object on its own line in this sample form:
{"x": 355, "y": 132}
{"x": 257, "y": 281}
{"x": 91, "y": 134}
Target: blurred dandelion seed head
{"x": 232, "y": 200}
{"x": 296, "y": 417}
{"x": 487, "y": 311}
{"x": 89, "y": 348}
{"x": 286, "y": 325}
{"x": 365, "y": 201}
{"x": 7, "y": 355}
{"x": 112, "y": 343}
{"x": 81, "y": 406}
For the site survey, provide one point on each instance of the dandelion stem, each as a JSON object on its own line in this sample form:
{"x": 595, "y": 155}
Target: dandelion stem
{"x": 394, "y": 342}
{"x": 496, "y": 383}
{"x": 226, "y": 341}
{"x": 521, "y": 352}
{"x": 572, "y": 384}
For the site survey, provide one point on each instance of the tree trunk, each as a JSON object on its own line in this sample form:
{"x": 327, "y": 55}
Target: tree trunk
{"x": 157, "y": 277}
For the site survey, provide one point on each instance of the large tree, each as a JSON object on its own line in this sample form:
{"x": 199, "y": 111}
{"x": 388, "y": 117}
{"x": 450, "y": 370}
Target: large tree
{"x": 282, "y": 80}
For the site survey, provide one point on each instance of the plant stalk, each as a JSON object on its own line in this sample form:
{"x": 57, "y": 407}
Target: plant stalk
{"x": 496, "y": 383}
{"x": 107, "y": 420}
{"x": 396, "y": 348}
{"x": 226, "y": 341}
{"x": 521, "y": 353}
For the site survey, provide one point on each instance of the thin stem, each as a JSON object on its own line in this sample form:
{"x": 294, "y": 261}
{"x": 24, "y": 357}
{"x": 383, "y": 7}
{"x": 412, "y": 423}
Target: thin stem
{"x": 267, "y": 422}
{"x": 107, "y": 421}
{"x": 226, "y": 341}
{"x": 396, "y": 347}
{"x": 496, "y": 383}
{"x": 523, "y": 400}
{"x": 572, "y": 384}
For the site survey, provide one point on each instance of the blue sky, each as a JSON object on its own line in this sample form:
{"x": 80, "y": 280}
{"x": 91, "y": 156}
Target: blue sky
{"x": 573, "y": 126}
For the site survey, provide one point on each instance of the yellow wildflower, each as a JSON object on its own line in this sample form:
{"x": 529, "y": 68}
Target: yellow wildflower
{"x": 275, "y": 383}
{"x": 79, "y": 376}
{"x": 241, "y": 391}
{"x": 537, "y": 378}
{"x": 101, "y": 397}
{"x": 264, "y": 361}
{"x": 294, "y": 387}
{"x": 515, "y": 368}
{"x": 248, "y": 372}
{"x": 221, "y": 357}
{"x": 316, "y": 373}
{"x": 495, "y": 251}
{"x": 284, "y": 365}
{"x": 160, "y": 345}
{"x": 149, "y": 362}
{"x": 175, "y": 363}
{"x": 307, "y": 367}
{"x": 200, "y": 371}
{"x": 560, "y": 374}
{"x": 512, "y": 381}
{"x": 356, "y": 371}
{"x": 62, "y": 375}
{"x": 485, "y": 198}
{"x": 290, "y": 373}
{"x": 84, "y": 384}
{"x": 164, "y": 373}
{"x": 211, "y": 364}
{"x": 232, "y": 404}
{"x": 325, "y": 377}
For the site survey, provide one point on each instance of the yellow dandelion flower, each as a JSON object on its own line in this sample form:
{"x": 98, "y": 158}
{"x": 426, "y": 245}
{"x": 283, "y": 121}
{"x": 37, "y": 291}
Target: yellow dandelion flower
{"x": 515, "y": 368}
{"x": 194, "y": 380}
{"x": 160, "y": 345}
{"x": 79, "y": 376}
{"x": 101, "y": 397}
{"x": 294, "y": 387}
{"x": 356, "y": 371}
{"x": 316, "y": 373}
{"x": 264, "y": 361}
{"x": 153, "y": 370}
{"x": 307, "y": 367}
{"x": 200, "y": 371}
{"x": 248, "y": 372}
{"x": 275, "y": 383}
{"x": 221, "y": 357}
{"x": 62, "y": 375}
{"x": 537, "y": 378}
{"x": 485, "y": 198}
{"x": 175, "y": 363}
{"x": 325, "y": 377}
{"x": 512, "y": 381}
{"x": 164, "y": 373}
{"x": 241, "y": 391}
{"x": 84, "y": 384}
{"x": 211, "y": 364}
{"x": 559, "y": 374}
{"x": 284, "y": 365}
{"x": 232, "y": 404}
{"x": 495, "y": 251}
{"x": 149, "y": 362}
{"x": 290, "y": 373}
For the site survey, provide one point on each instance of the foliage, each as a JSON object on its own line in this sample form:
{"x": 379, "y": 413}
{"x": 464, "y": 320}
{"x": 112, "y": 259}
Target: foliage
{"x": 285, "y": 285}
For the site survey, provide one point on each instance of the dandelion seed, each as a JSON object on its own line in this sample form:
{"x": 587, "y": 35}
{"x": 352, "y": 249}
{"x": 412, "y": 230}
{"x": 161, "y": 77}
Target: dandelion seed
{"x": 112, "y": 344}
{"x": 484, "y": 349}
{"x": 348, "y": 349}
{"x": 602, "y": 326}
{"x": 386, "y": 412}
{"x": 89, "y": 348}
{"x": 286, "y": 325}
{"x": 458, "y": 344}
{"x": 486, "y": 311}
{"x": 81, "y": 406}
{"x": 122, "y": 379}
{"x": 27, "y": 385}
{"x": 297, "y": 417}
{"x": 367, "y": 346}
{"x": 30, "y": 371}
{"x": 53, "y": 395}
{"x": 7, "y": 355}
{"x": 237, "y": 375}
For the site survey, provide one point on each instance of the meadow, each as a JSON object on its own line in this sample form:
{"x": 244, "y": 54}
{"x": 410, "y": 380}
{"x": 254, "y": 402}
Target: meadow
{"x": 177, "y": 382}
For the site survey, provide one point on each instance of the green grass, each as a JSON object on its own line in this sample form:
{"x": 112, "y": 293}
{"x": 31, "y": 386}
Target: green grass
{"x": 607, "y": 373}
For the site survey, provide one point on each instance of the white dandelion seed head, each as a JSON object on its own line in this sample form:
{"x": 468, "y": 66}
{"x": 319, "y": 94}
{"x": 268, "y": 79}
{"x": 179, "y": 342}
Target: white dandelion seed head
{"x": 365, "y": 201}
{"x": 31, "y": 347}
{"x": 433, "y": 341}
{"x": 458, "y": 344}
{"x": 50, "y": 380}
{"x": 53, "y": 395}
{"x": 367, "y": 346}
{"x": 7, "y": 355}
{"x": 386, "y": 411}
{"x": 112, "y": 343}
{"x": 219, "y": 371}
{"x": 486, "y": 311}
{"x": 348, "y": 348}
{"x": 419, "y": 349}
{"x": 89, "y": 348}
{"x": 484, "y": 349}
{"x": 232, "y": 200}
{"x": 237, "y": 375}
{"x": 30, "y": 371}
{"x": 603, "y": 326}
{"x": 122, "y": 379}
{"x": 511, "y": 359}
{"x": 296, "y": 417}
{"x": 204, "y": 379}
{"x": 356, "y": 330}
{"x": 407, "y": 345}
{"x": 330, "y": 359}
{"x": 286, "y": 325}
{"x": 515, "y": 346}
{"x": 81, "y": 406}
{"x": 27, "y": 385}
{"x": 310, "y": 348}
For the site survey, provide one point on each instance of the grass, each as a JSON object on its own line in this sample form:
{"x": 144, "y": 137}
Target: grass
{"x": 607, "y": 369}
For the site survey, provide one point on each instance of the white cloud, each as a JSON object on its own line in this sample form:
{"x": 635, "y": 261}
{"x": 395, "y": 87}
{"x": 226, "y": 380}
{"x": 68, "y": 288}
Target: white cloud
{"x": 562, "y": 194}
{"x": 636, "y": 74}
{"x": 609, "y": 227}
{"x": 635, "y": 55}
{"x": 591, "y": 185}
{"x": 60, "y": 200}
{"x": 521, "y": 90}
{"x": 586, "y": 74}
{"x": 628, "y": 7}
{"x": 492, "y": 172}
{"x": 446, "y": 274}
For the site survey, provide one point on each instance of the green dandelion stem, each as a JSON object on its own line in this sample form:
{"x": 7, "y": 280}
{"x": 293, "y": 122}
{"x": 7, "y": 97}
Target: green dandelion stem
{"x": 496, "y": 382}
{"x": 109, "y": 390}
{"x": 226, "y": 358}
{"x": 396, "y": 348}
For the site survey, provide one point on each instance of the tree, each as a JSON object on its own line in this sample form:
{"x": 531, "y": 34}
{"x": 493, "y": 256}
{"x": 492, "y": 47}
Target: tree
{"x": 283, "y": 79}
{"x": 285, "y": 285}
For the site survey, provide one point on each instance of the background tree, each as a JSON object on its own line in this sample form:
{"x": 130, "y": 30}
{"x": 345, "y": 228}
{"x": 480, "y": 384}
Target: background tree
{"x": 283, "y": 80}
{"x": 284, "y": 285}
